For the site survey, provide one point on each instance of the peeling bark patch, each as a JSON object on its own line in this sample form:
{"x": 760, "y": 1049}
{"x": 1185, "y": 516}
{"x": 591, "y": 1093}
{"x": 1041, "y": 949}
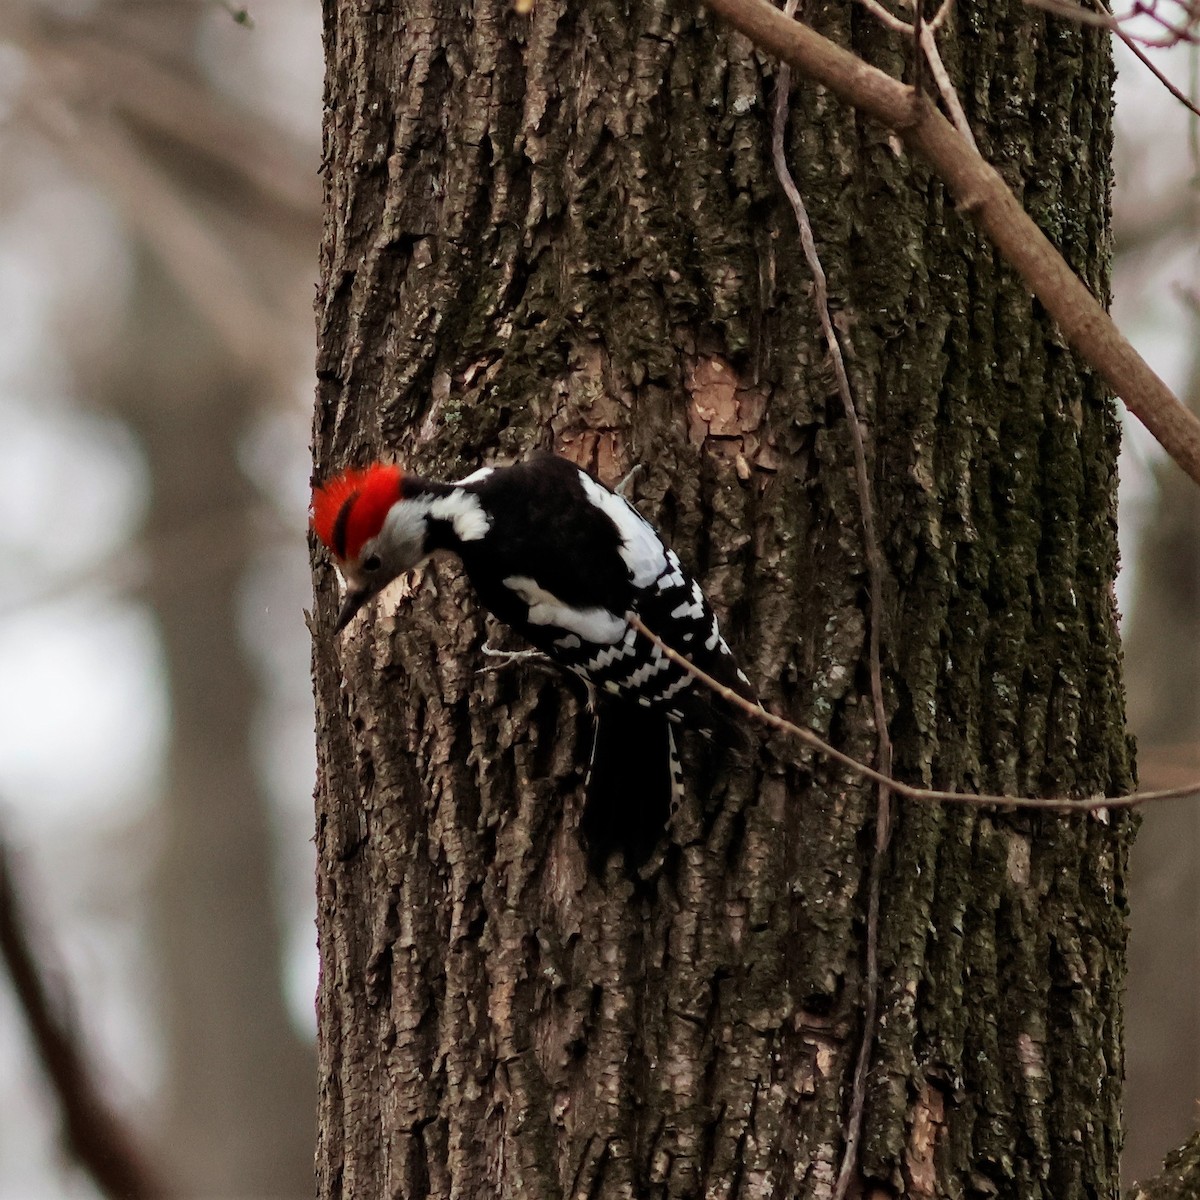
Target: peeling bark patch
{"x": 927, "y": 1126}
{"x": 1029, "y": 1055}
{"x": 1019, "y": 850}
{"x": 727, "y": 417}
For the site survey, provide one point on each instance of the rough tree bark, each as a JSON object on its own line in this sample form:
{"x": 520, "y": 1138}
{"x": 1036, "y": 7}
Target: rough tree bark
{"x": 565, "y": 230}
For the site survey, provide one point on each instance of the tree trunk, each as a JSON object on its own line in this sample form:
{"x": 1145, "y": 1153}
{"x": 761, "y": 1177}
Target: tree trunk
{"x": 565, "y": 230}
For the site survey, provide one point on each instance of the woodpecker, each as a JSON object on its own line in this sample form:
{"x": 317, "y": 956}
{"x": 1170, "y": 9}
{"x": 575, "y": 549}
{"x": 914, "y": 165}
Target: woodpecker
{"x": 564, "y": 561}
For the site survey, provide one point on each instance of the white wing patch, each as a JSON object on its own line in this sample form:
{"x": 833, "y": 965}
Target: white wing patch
{"x": 646, "y": 671}
{"x": 545, "y": 608}
{"x": 464, "y": 512}
{"x": 605, "y": 658}
{"x": 673, "y": 689}
{"x": 689, "y": 608}
{"x": 675, "y": 578}
{"x": 475, "y": 476}
{"x": 643, "y": 552}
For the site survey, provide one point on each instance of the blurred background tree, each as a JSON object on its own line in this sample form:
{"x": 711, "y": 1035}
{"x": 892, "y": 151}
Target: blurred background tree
{"x": 150, "y": 130}
{"x": 158, "y": 231}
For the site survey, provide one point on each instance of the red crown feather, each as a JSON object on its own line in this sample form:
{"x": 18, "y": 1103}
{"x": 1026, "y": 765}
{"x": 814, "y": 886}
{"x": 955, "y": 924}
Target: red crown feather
{"x": 350, "y": 508}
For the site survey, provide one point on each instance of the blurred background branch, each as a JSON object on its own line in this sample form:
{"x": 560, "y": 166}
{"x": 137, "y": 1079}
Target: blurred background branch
{"x": 97, "y": 1137}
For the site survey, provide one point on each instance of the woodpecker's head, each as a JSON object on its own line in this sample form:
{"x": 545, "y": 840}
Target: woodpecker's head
{"x": 362, "y": 517}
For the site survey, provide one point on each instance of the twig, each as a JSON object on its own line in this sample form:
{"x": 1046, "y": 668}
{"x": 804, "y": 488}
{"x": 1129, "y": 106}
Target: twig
{"x": 946, "y": 89}
{"x": 981, "y": 193}
{"x": 919, "y": 56}
{"x": 1057, "y": 804}
{"x": 96, "y": 1136}
{"x": 927, "y": 40}
{"x": 1148, "y": 63}
{"x": 1105, "y": 20}
{"x": 939, "y": 18}
{"x": 1187, "y": 32}
{"x": 883, "y": 810}
{"x": 899, "y": 25}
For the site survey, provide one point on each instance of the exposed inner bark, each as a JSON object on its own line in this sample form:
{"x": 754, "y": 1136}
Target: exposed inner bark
{"x": 565, "y": 230}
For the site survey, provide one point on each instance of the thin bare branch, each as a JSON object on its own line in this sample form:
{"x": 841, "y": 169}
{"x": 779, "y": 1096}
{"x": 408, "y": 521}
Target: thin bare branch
{"x": 1057, "y": 804}
{"x": 883, "y": 16}
{"x": 1187, "y": 29}
{"x": 899, "y": 25}
{"x": 927, "y": 39}
{"x": 856, "y": 1113}
{"x": 1104, "y": 19}
{"x": 982, "y": 194}
{"x": 946, "y": 89}
{"x": 920, "y": 59}
{"x": 97, "y": 1137}
{"x": 939, "y": 18}
{"x": 1148, "y": 63}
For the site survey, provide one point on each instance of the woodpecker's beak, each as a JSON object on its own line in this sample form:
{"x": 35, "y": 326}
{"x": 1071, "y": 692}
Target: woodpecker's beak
{"x": 353, "y": 601}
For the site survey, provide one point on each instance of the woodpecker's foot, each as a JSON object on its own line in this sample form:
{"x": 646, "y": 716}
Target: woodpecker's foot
{"x": 508, "y": 658}
{"x": 620, "y": 488}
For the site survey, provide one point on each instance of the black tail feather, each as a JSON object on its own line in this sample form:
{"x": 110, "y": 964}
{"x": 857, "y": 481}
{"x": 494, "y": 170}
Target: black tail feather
{"x": 633, "y": 782}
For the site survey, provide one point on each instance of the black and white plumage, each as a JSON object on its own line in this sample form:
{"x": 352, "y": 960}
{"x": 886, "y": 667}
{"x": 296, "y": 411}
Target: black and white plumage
{"x": 564, "y": 561}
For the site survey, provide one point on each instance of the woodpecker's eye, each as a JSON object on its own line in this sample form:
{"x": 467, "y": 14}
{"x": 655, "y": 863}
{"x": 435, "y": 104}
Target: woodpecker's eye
{"x": 371, "y": 563}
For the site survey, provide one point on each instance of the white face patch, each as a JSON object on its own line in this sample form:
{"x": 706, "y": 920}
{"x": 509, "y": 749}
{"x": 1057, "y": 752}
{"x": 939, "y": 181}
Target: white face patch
{"x": 545, "y": 608}
{"x": 401, "y": 541}
{"x": 641, "y": 549}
